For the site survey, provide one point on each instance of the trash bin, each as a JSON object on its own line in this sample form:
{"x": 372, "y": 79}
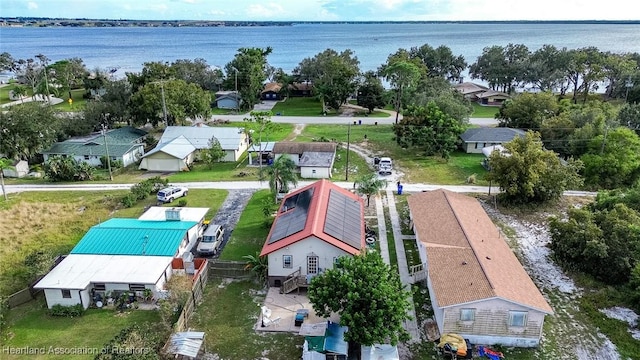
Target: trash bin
{"x": 399, "y": 189}
{"x": 359, "y": 122}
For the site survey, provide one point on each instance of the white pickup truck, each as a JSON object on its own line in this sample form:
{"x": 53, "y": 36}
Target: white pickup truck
{"x": 384, "y": 166}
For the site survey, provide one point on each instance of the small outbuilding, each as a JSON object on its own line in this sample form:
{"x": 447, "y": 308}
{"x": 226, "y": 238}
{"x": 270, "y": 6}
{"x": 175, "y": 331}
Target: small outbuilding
{"x": 314, "y": 159}
{"x": 271, "y": 91}
{"x": 18, "y": 169}
{"x": 228, "y": 100}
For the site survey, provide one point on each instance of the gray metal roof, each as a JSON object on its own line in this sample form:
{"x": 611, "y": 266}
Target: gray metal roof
{"x": 229, "y": 137}
{"x": 80, "y": 149}
{"x": 179, "y": 148}
{"x": 186, "y": 343}
{"x": 265, "y": 146}
{"x": 317, "y": 159}
{"x": 491, "y": 134}
{"x": 343, "y": 219}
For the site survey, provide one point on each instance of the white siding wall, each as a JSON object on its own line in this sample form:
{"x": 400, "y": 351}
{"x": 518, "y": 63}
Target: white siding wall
{"x": 86, "y": 298}
{"x": 306, "y": 172}
{"x": 54, "y": 297}
{"x": 294, "y": 157}
{"x": 311, "y": 246}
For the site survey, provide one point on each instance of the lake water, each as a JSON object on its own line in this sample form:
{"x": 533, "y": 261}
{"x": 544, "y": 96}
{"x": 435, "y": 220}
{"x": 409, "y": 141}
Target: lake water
{"x": 128, "y": 48}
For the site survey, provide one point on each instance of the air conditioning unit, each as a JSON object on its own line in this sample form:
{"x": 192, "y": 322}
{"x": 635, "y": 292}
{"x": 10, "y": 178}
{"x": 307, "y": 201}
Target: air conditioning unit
{"x": 172, "y": 214}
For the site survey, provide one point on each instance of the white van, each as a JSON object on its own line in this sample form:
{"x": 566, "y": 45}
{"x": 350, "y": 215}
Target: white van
{"x": 211, "y": 240}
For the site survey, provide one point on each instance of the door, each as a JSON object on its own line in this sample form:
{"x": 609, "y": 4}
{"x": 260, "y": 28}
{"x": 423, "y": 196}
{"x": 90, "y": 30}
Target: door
{"x": 312, "y": 265}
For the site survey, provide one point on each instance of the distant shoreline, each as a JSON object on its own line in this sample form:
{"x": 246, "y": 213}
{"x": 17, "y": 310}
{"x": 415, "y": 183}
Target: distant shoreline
{"x": 65, "y": 22}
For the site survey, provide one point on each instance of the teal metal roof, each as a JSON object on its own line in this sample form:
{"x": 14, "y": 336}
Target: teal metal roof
{"x": 80, "y": 149}
{"x": 134, "y": 237}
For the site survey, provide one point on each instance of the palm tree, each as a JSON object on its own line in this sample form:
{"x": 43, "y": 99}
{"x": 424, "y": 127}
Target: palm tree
{"x": 282, "y": 175}
{"x": 258, "y": 264}
{"x": 369, "y": 185}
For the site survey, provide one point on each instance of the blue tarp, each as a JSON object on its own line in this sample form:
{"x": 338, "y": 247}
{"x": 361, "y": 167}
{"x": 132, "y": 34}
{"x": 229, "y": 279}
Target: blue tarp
{"x": 334, "y": 339}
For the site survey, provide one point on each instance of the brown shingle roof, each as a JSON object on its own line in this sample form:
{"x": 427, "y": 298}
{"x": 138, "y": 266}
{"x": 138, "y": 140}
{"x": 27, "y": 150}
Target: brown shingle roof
{"x": 467, "y": 257}
{"x": 290, "y": 147}
{"x": 275, "y": 87}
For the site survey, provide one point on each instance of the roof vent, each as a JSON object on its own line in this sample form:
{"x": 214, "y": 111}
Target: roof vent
{"x": 172, "y": 214}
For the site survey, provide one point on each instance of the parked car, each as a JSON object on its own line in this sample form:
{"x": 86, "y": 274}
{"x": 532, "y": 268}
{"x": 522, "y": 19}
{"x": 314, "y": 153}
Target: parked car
{"x": 171, "y": 193}
{"x": 212, "y": 238}
{"x": 385, "y": 166}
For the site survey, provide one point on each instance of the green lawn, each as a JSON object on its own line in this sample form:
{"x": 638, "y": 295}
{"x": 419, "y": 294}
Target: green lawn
{"x": 480, "y": 111}
{"x": 228, "y": 313}
{"x": 310, "y": 106}
{"x": 210, "y": 198}
{"x": 250, "y": 233}
{"x": 30, "y": 325}
{"x": 417, "y": 168}
{"x": 78, "y": 101}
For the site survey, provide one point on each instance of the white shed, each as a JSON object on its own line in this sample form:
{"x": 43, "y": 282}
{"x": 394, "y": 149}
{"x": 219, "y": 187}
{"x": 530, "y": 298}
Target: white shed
{"x": 17, "y": 170}
{"x": 175, "y": 155}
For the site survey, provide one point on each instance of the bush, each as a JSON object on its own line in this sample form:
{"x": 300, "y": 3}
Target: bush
{"x": 129, "y": 200}
{"x": 67, "y": 311}
{"x": 182, "y": 203}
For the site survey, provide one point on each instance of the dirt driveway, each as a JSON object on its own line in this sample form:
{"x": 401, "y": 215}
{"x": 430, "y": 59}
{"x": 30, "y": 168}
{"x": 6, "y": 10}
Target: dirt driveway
{"x": 229, "y": 213}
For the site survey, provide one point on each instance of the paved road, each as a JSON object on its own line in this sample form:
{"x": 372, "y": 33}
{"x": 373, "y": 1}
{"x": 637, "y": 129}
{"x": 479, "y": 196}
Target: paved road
{"x": 238, "y": 185}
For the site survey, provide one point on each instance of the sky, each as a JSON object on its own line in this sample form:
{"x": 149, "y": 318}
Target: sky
{"x": 325, "y": 10}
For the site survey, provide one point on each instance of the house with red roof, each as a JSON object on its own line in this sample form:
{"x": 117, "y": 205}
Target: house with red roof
{"x": 313, "y": 227}
{"x": 477, "y": 286}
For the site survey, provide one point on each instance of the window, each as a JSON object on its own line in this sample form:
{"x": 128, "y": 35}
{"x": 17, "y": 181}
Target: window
{"x": 136, "y": 287}
{"x": 66, "y": 294}
{"x": 86, "y": 157}
{"x": 287, "y": 261}
{"x": 312, "y": 264}
{"x": 467, "y": 314}
{"x": 313, "y": 171}
{"x": 99, "y": 287}
{"x": 517, "y": 318}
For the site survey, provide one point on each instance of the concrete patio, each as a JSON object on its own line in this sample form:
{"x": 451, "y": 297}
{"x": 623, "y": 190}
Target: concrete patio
{"x": 284, "y": 306}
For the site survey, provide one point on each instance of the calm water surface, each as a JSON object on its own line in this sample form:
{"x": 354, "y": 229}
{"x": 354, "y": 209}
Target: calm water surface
{"x": 128, "y": 48}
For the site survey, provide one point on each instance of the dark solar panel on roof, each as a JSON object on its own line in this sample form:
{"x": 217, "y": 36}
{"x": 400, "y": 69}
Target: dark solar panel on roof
{"x": 295, "y": 209}
{"x": 343, "y": 220}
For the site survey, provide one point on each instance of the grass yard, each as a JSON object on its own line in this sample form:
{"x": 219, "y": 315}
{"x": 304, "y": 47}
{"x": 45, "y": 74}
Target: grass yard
{"x": 417, "y": 168}
{"x": 480, "y": 111}
{"x": 30, "y": 325}
{"x": 78, "y": 101}
{"x": 37, "y": 226}
{"x": 224, "y": 171}
{"x": 299, "y": 106}
{"x": 249, "y": 235}
{"x": 228, "y": 312}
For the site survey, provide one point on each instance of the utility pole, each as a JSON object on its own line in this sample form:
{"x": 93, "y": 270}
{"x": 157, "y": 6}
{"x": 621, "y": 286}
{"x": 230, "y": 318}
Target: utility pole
{"x": 628, "y": 84}
{"x": 104, "y": 135}
{"x": 604, "y": 141}
{"x": 164, "y": 102}
{"x": 346, "y": 171}
{"x": 237, "y": 97}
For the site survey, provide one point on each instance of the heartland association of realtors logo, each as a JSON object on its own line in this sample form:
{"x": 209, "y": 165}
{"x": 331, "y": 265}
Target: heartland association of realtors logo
{"x": 54, "y": 350}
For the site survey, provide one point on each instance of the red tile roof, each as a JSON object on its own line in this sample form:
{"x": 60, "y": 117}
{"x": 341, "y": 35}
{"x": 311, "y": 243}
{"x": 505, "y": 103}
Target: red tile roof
{"x": 317, "y": 215}
{"x": 468, "y": 260}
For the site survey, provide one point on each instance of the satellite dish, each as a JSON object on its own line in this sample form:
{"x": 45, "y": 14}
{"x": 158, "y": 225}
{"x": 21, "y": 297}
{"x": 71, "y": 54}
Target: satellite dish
{"x": 99, "y": 304}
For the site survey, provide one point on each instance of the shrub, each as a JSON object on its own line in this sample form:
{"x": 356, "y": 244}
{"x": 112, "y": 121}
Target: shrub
{"x": 141, "y": 190}
{"x": 182, "y": 203}
{"x": 67, "y": 311}
{"x": 129, "y": 200}
{"x": 471, "y": 179}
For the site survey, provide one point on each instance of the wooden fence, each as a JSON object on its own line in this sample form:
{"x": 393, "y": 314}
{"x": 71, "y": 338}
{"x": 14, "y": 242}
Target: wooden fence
{"x": 197, "y": 290}
{"x": 228, "y": 269}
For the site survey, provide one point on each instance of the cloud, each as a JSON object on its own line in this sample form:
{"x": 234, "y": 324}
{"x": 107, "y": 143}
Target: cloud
{"x": 32, "y": 5}
{"x": 270, "y": 10}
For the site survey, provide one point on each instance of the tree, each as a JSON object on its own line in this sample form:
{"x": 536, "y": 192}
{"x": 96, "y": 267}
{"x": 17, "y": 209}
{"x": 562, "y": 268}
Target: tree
{"x": 334, "y": 76}
{"x": 44, "y": 76}
{"x": 281, "y": 174}
{"x": 180, "y": 100}
{"x": 7, "y": 62}
{"x": 502, "y": 67}
{"x": 4, "y": 164}
{"x": 544, "y": 69}
{"x": 403, "y": 76}
{"x": 367, "y": 294}
{"x": 369, "y": 185}
{"x": 198, "y": 72}
{"x": 213, "y": 153}
{"x": 584, "y": 71}
{"x": 20, "y": 92}
{"x": 440, "y": 61}
{"x": 248, "y": 70}
{"x": 527, "y": 110}
{"x": 371, "y": 92}
{"x": 27, "y": 129}
{"x": 27, "y": 71}
{"x": 528, "y": 173}
{"x": 258, "y": 265}
{"x": 58, "y": 168}
{"x": 613, "y": 161}
{"x": 68, "y": 73}
{"x": 94, "y": 82}
{"x": 429, "y": 129}
{"x": 260, "y": 122}
{"x": 629, "y": 116}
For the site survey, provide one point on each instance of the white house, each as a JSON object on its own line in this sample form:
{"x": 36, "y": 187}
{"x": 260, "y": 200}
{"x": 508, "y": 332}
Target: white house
{"x": 313, "y": 227}
{"x": 477, "y": 286}
{"x": 126, "y": 255}
{"x": 179, "y": 145}
{"x": 475, "y": 139}
{"x": 17, "y": 170}
{"x": 314, "y": 159}
{"x": 124, "y": 144}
